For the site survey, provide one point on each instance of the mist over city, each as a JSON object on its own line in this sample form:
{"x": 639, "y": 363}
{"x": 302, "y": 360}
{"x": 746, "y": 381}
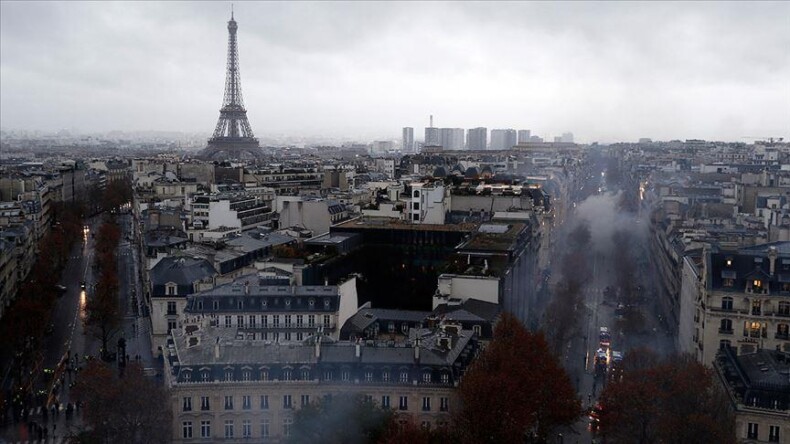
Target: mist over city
{"x": 367, "y": 222}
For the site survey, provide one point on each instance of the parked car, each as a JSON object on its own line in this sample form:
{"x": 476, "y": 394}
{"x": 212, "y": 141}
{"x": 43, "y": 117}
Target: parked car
{"x": 82, "y": 285}
{"x": 61, "y": 289}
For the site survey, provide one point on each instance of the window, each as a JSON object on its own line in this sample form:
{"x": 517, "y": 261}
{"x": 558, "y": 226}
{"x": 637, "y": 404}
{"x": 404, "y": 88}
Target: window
{"x": 264, "y": 402}
{"x": 311, "y": 320}
{"x": 404, "y": 376}
{"x": 204, "y": 403}
{"x": 305, "y": 374}
{"x": 327, "y": 375}
{"x": 252, "y": 321}
{"x": 385, "y": 401}
{"x": 229, "y": 375}
{"x": 426, "y": 377}
{"x": 782, "y": 331}
{"x": 727, "y": 282}
{"x": 391, "y": 327}
{"x": 327, "y": 320}
{"x": 368, "y": 376}
{"x": 444, "y": 404}
{"x": 228, "y": 402}
{"x": 751, "y": 432}
{"x": 305, "y": 401}
{"x": 385, "y": 376}
{"x": 288, "y": 321}
{"x": 264, "y": 375}
{"x": 415, "y": 216}
{"x": 246, "y": 402}
{"x": 287, "y": 402}
{"x": 773, "y": 433}
{"x": 757, "y": 307}
{"x": 276, "y": 321}
{"x": 725, "y": 326}
{"x": 171, "y": 308}
{"x": 171, "y": 325}
{"x": 724, "y": 343}
{"x": 200, "y": 305}
{"x": 426, "y": 404}
{"x": 187, "y": 404}
{"x": 205, "y": 429}
{"x": 215, "y": 305}
{"x": 445, "y": 378}
{"x": 228, "y": 428}
{"x": 345, "y": 375}
{"x": 264, "y": 321}
{"x": 784, "y": 309}
{"x": 299, "y": 336}
{"x": 288, "y": 336}
{"x": 240, "y": 320}
{"x": 477, "y": 329}
{"x": 171, "y": 291}
{"x": 287, "y": 302}
{"x": 205, "y": 375}
{"x": 726, "y": 303}
{"x": 403, "y": 404}
{"x": 326, "y": 303}
{"x": 404, "y": 328}
{"x": 241, "y": 305}
{"x": 227, "y": 321}
{"x": 299, "y": 321}
{"x": 265, "y": 428}
{"x": 415, "y": 206}
{"x": 186, "y": 428}
{"x": 246, "y": 428}
{"x": 287, "y": 423}
{"x": 286, "y": 375}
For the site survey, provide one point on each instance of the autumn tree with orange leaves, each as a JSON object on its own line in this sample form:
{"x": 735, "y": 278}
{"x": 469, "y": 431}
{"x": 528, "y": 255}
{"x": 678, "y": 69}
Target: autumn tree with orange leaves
{"x": 515, "y": 391}
{"x": 675, "y": 400}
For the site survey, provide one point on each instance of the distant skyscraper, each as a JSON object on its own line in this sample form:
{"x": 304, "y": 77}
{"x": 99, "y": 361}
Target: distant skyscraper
{"x": 431, "y": 135}
{"x": 567, "y": 137}
{"x": 451, "y": 138}
{"x": 523, "y": 136}
{"x": 408, "y": 140}
{"x": 503, "y": 139}
{"x": 477, "y": 139}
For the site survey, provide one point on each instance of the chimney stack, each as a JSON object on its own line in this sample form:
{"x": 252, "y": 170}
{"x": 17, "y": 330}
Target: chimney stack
{"x": 216, "y": 349}
{"x": 417, "y": 350}
{"x": 358, "y": 352}
{"x": 772, "y": 255}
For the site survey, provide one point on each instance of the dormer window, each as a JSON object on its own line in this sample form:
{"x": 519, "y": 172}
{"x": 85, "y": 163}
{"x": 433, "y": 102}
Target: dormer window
{"x": 216, "y": 305}
{"x": 200, "y": 305}
{"x": 288, "y": 302}
{"x": 241, "y": 305}
{"x": 326, "y": 303}
{"x": 311, "y": 302}
{"x": 172, "y": 289}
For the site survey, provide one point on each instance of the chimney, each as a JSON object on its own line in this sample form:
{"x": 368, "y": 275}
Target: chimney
{"x": 772, "y": 254}
{"x": 216, "y": 349}
{"x": 358, "y": 352}
{"x": 417, "y": 350}
{"x": 246, "y": 287}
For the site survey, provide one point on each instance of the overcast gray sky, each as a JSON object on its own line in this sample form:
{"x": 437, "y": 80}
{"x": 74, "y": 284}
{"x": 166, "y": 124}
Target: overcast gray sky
{"x": 605, "y": 71}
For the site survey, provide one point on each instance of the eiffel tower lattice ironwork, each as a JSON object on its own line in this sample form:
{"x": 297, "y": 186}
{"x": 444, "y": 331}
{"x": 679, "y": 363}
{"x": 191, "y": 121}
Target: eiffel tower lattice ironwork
{"x": 233, "y": 137}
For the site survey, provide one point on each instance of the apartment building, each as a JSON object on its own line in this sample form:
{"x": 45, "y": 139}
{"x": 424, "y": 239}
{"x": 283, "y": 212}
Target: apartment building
{"x": 227, "y": 388}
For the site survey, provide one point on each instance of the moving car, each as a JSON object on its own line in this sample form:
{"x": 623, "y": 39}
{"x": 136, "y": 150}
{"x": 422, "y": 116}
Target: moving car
{"x": 605, "y": 339}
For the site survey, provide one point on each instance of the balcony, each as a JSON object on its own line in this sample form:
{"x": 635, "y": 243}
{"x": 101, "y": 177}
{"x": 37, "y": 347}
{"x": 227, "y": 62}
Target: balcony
{"x": 784, "y": 336}
{"x": 725, "y": 331}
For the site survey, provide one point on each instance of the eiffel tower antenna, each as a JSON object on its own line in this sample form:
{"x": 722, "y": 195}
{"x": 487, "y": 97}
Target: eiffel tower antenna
{"x": 233, "y": 136}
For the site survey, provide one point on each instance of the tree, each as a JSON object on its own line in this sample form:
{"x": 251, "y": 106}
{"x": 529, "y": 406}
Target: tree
{"x": 677, "y": 400}
{"x": 515, "y": 390}
{"x": 103, "y": 315}
{"x": 343, "y": 419}
{"x": 122, "y": 409}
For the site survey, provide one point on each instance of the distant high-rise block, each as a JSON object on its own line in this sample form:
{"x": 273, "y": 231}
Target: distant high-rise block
{"x": 567, "y": 137}
{"x": 477, "y": 139}
{"x": 503, "y": 139}
{"x": 523, "y": 136}
{"x": 431, "y": 136}
{"x": 408, "y": 140}
{"x": 451, "y": 138}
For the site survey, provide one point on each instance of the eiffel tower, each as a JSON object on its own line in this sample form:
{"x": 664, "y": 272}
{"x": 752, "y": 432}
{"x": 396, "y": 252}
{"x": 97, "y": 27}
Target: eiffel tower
{"x": 233, "y": 137}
